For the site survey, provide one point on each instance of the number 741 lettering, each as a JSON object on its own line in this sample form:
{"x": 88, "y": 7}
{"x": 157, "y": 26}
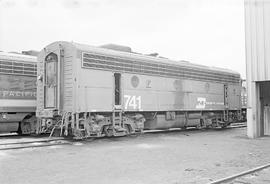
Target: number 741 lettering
{"x": 134, "y": 102}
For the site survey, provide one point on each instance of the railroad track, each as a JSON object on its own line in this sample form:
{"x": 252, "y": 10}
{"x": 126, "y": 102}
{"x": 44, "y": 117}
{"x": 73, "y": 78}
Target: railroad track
{"x": 33, "y": 144}
{"x": 232, "y": 178}
{"x": 238, "y": 125}
{"x": 62, "y": 141}
{"x": 16, "y": 136}
{"x": 8, "y": 134}
{"x": 233, "y": 125}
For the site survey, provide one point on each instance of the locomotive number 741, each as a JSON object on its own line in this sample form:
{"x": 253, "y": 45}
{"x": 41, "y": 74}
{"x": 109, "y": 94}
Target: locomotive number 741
{"x": 134, "y": 102}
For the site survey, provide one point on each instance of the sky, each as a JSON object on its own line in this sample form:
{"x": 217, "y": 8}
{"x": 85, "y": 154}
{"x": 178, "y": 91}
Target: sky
{"x": 207, "y": 32}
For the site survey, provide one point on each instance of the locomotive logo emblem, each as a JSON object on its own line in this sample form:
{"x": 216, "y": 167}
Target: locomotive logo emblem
{"x": 201, "y": 103}
{"x": 148, "y": 83}
{"x": 135, "y": 81}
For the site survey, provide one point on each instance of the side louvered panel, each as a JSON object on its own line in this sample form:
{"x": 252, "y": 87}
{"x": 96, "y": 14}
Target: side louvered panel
{"x": 18, "y": 67}
{"x": 68, "y": 84}
{"x": 111, "y": 63}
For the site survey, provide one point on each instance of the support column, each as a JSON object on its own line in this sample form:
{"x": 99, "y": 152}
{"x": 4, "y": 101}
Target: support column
{"x": 254, "y": 111}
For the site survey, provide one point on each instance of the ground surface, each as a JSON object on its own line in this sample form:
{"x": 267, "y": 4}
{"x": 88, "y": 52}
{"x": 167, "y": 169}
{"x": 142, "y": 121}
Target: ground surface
{"x": 173, "y": 158}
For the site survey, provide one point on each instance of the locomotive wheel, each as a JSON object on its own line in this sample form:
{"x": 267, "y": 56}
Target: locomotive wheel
{"x": 19, "y": 131}
{"x": 225, "y": 125}
{"x": 183, "y": 128}
{"x": 128, "y": 131}
{"x": 108, "y": 131}
{"x": 24, "y": 128}
{"x": 198, "y": 127}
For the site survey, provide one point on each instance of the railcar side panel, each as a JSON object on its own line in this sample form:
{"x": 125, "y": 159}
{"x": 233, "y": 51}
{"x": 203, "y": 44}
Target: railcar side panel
{"x": 17, "y": 93}
{"x": 95, "y": 90}
{"x": 234, "y": 96}
{"x": 148, "y": 93}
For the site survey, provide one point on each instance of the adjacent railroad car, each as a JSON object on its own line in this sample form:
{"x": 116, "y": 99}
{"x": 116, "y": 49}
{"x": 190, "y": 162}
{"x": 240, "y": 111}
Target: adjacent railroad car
{"x": 17, "y": 93}
{"x": 88, "y": 91}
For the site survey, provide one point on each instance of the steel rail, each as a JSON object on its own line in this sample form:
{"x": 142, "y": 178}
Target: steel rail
{"x": 232, "y": 177}
{"x": 29, "y": 142}
{"x": 34, "y": 146}
{"x": 47, "y": 141}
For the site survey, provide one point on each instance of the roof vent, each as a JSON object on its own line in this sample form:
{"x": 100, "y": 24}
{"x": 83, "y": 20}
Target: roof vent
{"x": 117, "y": 47}
{"x": 13, "y": 52}
{"x": 155, "y": 54}
{"x": 30, "y": 52}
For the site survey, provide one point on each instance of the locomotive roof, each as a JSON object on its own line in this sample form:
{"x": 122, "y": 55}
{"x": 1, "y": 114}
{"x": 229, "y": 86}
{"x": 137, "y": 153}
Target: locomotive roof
{"x": 146, "y": 58}
{"x": 17, "y": 57}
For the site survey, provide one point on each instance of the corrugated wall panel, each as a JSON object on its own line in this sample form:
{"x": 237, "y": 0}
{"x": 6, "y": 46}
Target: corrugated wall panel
{"x": 257, "y": 21}
{"x": 257, "y": 29}
{"x": 261, "y": 75}
{"x": 267, "y": 37}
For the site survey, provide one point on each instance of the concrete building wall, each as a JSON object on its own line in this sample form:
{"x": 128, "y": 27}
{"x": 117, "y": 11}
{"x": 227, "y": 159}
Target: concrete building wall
{"x": 257, "y": 28}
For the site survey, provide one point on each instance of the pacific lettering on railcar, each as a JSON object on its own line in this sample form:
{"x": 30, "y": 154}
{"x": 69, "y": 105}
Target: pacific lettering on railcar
{"x": 17, "y": 93}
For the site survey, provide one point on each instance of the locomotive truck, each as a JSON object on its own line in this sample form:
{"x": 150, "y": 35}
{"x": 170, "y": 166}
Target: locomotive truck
{"x": 86, "y": 91}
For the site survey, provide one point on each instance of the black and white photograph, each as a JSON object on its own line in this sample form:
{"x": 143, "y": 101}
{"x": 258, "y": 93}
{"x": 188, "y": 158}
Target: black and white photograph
{"x": 134, "y": 91}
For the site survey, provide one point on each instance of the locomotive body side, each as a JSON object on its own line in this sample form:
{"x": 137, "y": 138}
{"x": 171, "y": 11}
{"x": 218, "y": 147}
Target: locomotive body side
{"x": 170, "y": 94}
{"x": 17, "y": 93}
{"x": 89, "y": 91}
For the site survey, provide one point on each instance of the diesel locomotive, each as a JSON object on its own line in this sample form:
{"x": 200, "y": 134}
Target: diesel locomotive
{"x": 17, "y": 93}
{"x": 85, "y": 91}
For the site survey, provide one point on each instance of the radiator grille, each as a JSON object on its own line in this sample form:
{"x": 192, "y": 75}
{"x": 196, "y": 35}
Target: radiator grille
{"x": 18, "y": 68}
{"x": 116, "y": 64}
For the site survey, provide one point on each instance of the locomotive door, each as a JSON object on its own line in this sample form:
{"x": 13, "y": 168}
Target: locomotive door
{"x": 226, "y": 100}
{"x": 226, "y": 103}
{"x": 50, "y": 85}
{"x": 117, "y": 90}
